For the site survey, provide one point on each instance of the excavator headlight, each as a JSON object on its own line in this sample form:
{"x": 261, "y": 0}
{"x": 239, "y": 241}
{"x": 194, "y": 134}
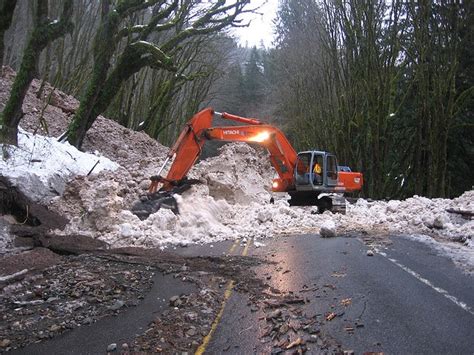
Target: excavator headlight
{"x": 275, "y": 184}
{"x": 261, "y": 137}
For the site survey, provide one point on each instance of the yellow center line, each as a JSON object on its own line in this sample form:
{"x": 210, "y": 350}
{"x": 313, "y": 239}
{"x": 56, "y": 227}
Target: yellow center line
{"x": 208, "y": 337}
{"x": 246, "y": 249}
{"x": 227, "y": 293}
{"x": 232, "y": 248}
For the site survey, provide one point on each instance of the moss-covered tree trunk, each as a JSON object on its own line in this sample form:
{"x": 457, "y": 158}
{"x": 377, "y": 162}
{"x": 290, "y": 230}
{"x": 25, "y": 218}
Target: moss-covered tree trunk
{"x": 102, "y": 90}
{"x": 139, "y": 50}
{"x": 7, "y": 7}
{"x": 103, "y": 49}
{"x": 43, "y": 33}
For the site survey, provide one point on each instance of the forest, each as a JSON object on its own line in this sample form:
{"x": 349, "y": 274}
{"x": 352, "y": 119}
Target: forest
{"x": 386, "y": 85}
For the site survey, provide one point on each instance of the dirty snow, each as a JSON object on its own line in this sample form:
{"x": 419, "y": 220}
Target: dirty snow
{"x": 41, "y": 166}
{"x": 233, "y": 202}
{"x": 416, "y": 215}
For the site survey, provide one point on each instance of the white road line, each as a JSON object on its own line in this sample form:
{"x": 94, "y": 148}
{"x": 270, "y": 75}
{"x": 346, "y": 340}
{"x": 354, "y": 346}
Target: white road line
{"x": 428, "y": 283}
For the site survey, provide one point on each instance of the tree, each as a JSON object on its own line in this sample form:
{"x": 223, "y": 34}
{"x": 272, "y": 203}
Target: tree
{"x": 253, "y": 79}
{"x": 460, "y": 172}
{"x": 7, "y": 7}
{"x": 120, "y": 51}
{"x": 385, "y": 84}
{"x": 45, "y": 31}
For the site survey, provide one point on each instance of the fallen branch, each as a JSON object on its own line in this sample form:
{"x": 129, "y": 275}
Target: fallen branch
{"x": 13, "y": 276}
{"x": 463, "y": 213}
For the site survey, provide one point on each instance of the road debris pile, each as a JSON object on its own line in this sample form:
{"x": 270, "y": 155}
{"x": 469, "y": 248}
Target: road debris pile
{"x": 67, "y": 295}
{"x": 182, "y": 326}
{"x": 288, "y": 327}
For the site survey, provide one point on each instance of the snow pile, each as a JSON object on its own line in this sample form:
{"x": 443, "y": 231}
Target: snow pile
{"x": 233, "y": 202}
{"x": 328, "y": 229}
{"x": 202, "y": 219}
{"x": 415, "y": 215}
{"x": 41, "y": 166}
{"x": 239, "y": 174}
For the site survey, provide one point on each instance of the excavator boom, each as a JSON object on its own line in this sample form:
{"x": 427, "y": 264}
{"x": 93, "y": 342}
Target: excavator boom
{"x": 185, "y": 151}
{"x": 189, "y": 145}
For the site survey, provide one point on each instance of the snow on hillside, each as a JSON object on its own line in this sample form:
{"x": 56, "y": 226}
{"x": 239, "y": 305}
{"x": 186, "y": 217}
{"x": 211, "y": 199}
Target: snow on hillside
{"x": 41, "y": 166}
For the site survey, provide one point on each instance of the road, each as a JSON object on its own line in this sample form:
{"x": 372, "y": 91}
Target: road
{"x": 406, "y": 299}
{"x": 95, "y": 338}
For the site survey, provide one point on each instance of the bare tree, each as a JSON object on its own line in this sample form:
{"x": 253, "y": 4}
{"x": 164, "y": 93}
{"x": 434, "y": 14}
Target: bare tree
{"x": 155, "y": 44}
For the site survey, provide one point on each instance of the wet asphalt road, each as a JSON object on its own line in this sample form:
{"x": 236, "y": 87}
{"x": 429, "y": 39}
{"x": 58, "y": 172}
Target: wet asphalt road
{"x": 407, "y": 299}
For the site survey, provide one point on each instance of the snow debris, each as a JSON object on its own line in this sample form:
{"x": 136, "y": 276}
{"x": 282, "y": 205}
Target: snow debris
{"x": 415, "y": 215}
{"x": 6, "y": 240}
{"x": 328, "y": 229}
{"x": 233, "y": 202}
{"x": 240, "y": 174}
{"x": 41, "y": 166}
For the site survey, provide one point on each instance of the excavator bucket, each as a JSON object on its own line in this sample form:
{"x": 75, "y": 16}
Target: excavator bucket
{"x": 152, "y": 202}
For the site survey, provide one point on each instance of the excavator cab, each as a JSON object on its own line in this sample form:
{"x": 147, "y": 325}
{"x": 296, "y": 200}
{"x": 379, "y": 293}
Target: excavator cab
{"x": 316, "y": 171}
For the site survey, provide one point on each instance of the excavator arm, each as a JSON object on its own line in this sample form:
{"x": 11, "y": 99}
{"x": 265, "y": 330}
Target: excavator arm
{"x": 198, "y": 130}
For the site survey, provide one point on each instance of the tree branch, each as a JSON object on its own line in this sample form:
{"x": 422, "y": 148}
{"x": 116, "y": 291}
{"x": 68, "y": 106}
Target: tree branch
{"x": 156, "y": 53}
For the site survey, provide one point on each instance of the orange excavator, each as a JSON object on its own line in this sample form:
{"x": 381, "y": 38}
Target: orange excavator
{"x": 309, "y": 177}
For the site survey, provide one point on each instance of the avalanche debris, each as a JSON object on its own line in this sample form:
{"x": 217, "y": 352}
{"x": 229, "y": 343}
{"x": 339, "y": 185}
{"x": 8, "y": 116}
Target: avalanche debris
{"x": 41, "y": 166}
{"x": 231, "y": 202}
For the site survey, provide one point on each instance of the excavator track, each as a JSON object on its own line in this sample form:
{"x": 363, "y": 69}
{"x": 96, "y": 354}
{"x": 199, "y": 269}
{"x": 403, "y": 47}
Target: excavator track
{"x": 333, "y": 203}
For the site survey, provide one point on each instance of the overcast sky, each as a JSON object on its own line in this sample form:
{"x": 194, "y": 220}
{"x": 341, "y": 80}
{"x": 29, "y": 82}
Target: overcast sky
{"x": 261, "y": 27}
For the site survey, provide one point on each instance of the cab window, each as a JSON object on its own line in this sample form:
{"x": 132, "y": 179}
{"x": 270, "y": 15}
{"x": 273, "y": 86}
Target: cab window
{"x": 302, "y": 168}
{"x": 332, "y": 167}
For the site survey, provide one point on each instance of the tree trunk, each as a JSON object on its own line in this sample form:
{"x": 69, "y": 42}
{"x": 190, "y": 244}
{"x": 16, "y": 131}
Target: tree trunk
{"x": 100, "y": 94}
{"x": 7, "y": 8}
{"x": 43, "y": 34}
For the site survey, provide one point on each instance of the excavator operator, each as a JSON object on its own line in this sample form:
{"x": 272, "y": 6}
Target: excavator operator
{"x": 318, "y": 179}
